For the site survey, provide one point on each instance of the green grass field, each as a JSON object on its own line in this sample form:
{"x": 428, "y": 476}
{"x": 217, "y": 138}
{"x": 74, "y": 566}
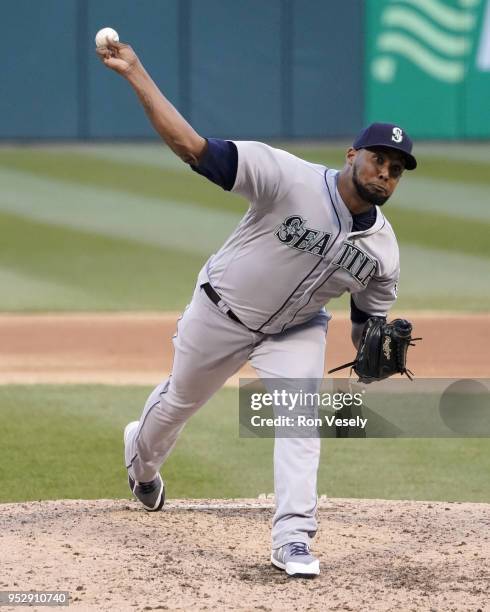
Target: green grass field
{"x": 66, "y": 442}
{"x": 127, "y": 227}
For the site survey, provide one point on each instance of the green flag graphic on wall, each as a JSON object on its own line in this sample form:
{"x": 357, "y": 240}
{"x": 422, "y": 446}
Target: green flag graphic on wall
{"x": 428, "y": 66}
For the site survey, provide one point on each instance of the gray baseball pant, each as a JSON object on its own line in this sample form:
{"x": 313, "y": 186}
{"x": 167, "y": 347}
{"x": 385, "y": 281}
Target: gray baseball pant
{"x": 209, "y": 348}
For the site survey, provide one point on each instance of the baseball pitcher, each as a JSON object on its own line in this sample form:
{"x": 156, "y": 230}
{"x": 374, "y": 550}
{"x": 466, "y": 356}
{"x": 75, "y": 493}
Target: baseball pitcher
{"x": 310, "y": 234}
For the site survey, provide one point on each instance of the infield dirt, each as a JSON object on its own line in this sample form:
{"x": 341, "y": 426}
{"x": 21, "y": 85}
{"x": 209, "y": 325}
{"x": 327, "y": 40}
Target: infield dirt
{"x": 214, "y": 555}
{"x": 136, "y": 348}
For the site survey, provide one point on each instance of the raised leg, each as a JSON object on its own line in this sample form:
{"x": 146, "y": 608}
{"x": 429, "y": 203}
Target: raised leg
{"x": 209, "y": 348}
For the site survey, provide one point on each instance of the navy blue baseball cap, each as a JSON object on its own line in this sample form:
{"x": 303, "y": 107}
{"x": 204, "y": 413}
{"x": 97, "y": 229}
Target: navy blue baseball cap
{"x": 390, "y": 136}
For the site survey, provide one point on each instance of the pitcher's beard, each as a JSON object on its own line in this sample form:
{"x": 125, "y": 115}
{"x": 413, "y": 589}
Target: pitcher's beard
{"x": 368, "y": 195}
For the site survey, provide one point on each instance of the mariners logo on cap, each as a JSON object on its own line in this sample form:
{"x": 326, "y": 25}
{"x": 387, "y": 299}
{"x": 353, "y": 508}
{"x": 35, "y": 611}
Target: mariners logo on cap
{"x": 397, "y": 135}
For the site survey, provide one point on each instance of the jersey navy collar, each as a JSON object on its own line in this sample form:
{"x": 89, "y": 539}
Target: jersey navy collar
{"x": 375, "y": 227}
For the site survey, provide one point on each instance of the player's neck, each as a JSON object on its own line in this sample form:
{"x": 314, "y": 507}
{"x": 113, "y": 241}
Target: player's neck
{"x": 349, "y": 195}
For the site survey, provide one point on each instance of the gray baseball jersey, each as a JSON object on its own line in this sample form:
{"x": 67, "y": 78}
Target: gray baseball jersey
{"x": 294, "y": 249}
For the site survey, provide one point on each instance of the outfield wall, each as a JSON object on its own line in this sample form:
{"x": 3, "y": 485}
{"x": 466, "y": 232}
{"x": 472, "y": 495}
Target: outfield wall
{"x": 250, "y": 69}
{"x": 281, "y": 68}
{"x": 428, "y": 66}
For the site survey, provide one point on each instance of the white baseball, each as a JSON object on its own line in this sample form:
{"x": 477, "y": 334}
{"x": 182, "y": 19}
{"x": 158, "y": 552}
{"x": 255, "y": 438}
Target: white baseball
{"x": 105, "y": 35}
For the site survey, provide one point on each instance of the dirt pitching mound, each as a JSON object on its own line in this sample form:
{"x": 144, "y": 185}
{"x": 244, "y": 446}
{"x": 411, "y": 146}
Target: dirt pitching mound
{"x": 208, "y": 555}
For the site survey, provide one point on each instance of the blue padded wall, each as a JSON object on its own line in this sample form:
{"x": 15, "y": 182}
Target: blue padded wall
{"x": 248, "y": 69}
{"x": 39, "y": 78}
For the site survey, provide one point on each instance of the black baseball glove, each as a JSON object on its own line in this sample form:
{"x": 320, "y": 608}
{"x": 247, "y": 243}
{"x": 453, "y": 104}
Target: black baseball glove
{"x": 382, "y": 350}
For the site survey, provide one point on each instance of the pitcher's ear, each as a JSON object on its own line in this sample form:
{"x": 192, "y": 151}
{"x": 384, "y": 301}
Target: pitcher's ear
{"x": 350, "y": 156}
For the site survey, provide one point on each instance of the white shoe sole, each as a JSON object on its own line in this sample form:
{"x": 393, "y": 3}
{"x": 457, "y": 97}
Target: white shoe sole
{"x": 159, "y": 500}
{"x": 298, "y": 569}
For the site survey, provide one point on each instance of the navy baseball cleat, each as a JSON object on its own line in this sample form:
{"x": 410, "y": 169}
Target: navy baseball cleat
{"x": 297, "y": 561}
{"x": 150, "y": 494}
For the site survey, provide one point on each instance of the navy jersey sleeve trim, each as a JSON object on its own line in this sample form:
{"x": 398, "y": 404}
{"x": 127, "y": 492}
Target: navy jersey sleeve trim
{"x": 356, "y": 314}
{"x": 219, "y": 163}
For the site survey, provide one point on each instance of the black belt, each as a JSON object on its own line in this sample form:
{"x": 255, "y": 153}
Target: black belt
{"x": 216, "y": 299}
